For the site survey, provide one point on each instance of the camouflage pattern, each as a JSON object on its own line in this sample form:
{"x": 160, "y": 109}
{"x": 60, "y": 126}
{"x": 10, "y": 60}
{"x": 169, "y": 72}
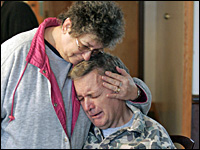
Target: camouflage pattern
{"x": 145, "y": 133}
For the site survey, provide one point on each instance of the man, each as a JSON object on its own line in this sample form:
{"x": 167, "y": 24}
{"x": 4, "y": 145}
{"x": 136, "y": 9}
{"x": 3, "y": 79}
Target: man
{"x": 117, "y": 125}
{"x": 39, "y": 109}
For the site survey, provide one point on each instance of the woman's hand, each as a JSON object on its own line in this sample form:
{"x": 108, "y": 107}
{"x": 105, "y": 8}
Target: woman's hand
{"x": 123, "y": 85}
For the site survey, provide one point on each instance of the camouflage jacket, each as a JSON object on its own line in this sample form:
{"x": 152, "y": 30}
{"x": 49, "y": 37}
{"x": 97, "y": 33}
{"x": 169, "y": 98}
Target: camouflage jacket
{"x": 145, "y": 133}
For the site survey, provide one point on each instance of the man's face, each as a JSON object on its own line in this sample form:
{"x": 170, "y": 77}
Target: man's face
{"x": 102, "y": 111}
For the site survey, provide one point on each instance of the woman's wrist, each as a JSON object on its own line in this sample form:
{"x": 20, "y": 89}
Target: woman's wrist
{"x": 138, "y": 94}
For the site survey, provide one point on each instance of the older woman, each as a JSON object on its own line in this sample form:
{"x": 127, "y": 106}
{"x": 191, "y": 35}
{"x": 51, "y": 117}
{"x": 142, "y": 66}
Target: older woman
{"x": 38, "y": 102}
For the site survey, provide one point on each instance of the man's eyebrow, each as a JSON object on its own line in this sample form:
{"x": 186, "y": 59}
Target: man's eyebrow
{"x": 90, "y": 94}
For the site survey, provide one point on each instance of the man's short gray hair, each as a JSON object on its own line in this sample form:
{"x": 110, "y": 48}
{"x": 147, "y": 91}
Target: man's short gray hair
{"x": 102, "y": 62}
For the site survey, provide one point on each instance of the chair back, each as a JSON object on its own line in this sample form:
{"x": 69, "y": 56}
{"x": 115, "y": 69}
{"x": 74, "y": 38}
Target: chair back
{"x": 186, "y": 142}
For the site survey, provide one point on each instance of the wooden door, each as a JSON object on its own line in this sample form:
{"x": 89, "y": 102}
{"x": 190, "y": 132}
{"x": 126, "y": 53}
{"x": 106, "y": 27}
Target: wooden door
{"x": 54, "y": 8}
{"x": 168, "y": 63}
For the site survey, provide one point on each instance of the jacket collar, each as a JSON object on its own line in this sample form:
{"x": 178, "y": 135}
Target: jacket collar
{"x": 37, "y": 55}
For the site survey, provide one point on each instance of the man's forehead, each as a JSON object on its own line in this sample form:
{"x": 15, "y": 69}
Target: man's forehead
{"x": 96, "y": 77}
{"x": 90, "y": 79}
{"x": 89, "y": 84}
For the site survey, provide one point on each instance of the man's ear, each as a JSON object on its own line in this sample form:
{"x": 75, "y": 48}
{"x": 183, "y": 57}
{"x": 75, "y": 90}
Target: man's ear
{"x": 66, "y": 27}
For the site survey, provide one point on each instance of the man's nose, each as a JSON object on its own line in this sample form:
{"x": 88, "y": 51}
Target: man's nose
{"x": 88, "y": 104}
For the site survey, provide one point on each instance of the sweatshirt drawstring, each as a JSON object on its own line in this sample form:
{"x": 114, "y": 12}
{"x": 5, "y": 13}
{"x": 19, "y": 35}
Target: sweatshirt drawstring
{"x": 11, "y": 115}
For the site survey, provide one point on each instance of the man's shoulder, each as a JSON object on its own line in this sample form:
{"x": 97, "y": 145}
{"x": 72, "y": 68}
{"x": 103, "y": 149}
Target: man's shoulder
{"x": 148, "y": 124}
{"x": 153, "y": 129}
{"x": 152, "y": 124}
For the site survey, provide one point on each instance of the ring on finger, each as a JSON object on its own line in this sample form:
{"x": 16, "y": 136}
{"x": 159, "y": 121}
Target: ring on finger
{"x": 120, "y": 84}
{"x": 117, "y": 90}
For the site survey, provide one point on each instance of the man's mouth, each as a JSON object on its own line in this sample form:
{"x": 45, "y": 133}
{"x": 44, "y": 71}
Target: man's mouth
{"x": 97, "y": 115}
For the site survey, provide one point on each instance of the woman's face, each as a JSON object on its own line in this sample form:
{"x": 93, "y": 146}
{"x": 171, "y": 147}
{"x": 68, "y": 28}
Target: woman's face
{"x": 75, "y": 50}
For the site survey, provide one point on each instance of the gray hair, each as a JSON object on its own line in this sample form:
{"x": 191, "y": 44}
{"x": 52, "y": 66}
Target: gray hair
{"x": 104, "y": 19}
{"x": 102, "y": 62}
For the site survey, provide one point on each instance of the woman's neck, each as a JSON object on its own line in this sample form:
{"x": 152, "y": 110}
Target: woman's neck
{"x": 52, "y": 36}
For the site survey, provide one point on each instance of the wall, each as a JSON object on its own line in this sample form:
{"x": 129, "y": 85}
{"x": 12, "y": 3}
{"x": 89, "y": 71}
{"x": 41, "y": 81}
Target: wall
{"x": 168, "y": 67}
{"x": 195, "y": 81}
{"x": 150, "y": 46}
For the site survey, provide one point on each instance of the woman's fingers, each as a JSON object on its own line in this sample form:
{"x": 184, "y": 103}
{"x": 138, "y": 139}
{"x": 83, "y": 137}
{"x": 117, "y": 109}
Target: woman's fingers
{"x": 122, "y": 71}
{"x": 112, "y": 81}
{"x": 114, "y": 88}
{"x": 114, "y": 75}
{"x": 123, "y": 86}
